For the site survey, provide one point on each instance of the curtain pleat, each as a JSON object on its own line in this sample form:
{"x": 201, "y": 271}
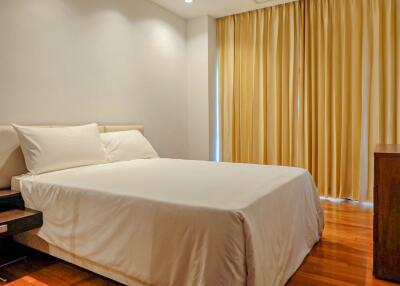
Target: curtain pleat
{"x": 313, "y": 84}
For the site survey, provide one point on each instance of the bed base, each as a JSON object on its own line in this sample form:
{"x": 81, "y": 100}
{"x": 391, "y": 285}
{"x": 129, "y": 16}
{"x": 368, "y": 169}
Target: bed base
{"x": 32, "y": 240}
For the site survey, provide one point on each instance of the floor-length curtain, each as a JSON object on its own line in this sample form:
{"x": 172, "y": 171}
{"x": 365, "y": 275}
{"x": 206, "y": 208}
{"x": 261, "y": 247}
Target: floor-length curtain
{"x": 382, "y": 78}
{"x": 314, "y": 84}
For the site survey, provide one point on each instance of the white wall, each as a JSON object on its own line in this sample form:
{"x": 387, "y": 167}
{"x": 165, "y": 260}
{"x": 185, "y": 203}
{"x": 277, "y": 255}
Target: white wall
{"x": 201, "y": 45}
{"x": 108, "y": 61}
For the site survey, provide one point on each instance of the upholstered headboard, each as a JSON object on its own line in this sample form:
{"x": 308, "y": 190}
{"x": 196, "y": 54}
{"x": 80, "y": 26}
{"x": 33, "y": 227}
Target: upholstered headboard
{"x": 12, "y": 161}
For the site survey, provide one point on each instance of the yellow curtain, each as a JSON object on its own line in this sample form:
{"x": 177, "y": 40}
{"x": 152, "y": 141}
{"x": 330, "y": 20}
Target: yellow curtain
{"x": 382, "y": 78}
{"x": 314, "y": 84}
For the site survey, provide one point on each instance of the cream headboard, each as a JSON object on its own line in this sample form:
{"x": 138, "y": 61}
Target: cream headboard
{"x": 12, "y": 162}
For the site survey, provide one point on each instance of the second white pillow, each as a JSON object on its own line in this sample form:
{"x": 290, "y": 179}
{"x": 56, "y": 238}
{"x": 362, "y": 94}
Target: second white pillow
{"x": 127, "y": 145}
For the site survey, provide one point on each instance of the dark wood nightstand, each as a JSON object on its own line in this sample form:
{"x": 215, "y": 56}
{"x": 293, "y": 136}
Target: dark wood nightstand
{"x": 14, "y": 219}
{"x": 387, "y": 213}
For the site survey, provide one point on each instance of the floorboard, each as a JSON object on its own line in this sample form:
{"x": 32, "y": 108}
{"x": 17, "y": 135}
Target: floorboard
{"x": 343, "y": 257}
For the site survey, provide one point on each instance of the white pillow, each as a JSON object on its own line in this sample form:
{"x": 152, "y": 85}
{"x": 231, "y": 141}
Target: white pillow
{"x": 49, "y": 149}
{"x": 127, "y": 145}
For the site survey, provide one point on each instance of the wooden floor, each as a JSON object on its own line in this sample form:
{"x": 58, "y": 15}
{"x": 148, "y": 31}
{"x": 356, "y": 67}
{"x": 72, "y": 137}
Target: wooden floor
{"x": 343, "y": 257}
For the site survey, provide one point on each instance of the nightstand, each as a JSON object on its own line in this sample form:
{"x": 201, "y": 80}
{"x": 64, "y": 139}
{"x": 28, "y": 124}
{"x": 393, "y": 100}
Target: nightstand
{"x": 14, "y": 219}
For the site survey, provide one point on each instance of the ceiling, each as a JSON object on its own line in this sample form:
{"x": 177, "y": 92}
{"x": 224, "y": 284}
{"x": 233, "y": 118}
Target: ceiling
{"x": 215, "y": 8}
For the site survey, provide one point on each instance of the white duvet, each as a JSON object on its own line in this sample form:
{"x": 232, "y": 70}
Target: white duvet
{"x": 177, "y": 222}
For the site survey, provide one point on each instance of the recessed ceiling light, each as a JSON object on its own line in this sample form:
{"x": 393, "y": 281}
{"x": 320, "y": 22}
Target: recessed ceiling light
{"x": 188, "y": 1}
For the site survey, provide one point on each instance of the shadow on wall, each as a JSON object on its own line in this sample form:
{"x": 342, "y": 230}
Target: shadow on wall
{"x": 78, "y": 61}
{"x": 132, "y": 10}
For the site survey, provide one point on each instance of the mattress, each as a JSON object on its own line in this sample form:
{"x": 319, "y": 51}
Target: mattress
{"x": 15, "y": 183}
{"x": 180, "y": 222}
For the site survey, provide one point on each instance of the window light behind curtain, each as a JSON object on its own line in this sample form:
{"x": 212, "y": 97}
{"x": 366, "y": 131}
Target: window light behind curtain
{"x": 315, "y": 84}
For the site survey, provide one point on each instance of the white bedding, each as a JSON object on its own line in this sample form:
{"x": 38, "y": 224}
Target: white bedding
{"x": 178, "y": 222}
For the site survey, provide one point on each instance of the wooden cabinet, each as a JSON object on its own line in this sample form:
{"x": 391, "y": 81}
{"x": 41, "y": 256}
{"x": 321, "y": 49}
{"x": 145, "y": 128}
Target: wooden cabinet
{"x": 387, "y": 213}
{"x": 14, "y": 219}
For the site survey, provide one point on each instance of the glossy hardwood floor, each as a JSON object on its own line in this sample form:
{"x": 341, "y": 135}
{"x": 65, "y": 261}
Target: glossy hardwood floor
{"x": 343, "y": 257}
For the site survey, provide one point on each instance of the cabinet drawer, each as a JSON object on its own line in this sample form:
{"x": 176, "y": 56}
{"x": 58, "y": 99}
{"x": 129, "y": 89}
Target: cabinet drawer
{"x": 11, "y": 200}
{"x": 17, "y": 221}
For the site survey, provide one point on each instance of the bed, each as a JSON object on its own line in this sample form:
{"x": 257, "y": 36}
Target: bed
{"x": 174, "y": 222}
